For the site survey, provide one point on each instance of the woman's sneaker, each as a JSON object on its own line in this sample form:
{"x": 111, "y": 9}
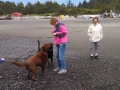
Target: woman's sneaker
{"x": 96, "y": 57}
{"x": 62, "y": 71}
{"x": 56, "y": 69}
{"x": 91, "y": 57}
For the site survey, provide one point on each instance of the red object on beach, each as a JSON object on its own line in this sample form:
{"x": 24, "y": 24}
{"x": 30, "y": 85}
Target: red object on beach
{"x": 17, "y": 14}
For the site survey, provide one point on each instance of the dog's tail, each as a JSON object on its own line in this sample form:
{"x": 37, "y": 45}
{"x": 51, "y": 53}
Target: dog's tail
{"x": 19, "y": 64}
{"x": 38, "y": 45}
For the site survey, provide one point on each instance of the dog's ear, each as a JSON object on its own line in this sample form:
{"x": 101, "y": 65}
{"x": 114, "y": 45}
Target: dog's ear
{"x": 44, "y": 48}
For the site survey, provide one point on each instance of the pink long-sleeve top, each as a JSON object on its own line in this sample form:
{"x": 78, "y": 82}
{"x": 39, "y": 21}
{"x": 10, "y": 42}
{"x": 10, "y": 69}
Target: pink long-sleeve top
{"x": 62, "y": 30}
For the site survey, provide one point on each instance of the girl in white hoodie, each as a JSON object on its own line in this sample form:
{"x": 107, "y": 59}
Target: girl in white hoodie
{"x": 95, "y": 36}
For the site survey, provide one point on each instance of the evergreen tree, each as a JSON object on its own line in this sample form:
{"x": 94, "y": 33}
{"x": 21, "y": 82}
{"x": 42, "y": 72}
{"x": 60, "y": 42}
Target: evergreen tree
{"x": 53, "y": 8}
{"x": 30, "y": 9}
{"x": 38, "y": 7}
{"x": 79, "y": 5}
{"x": 9, "y": 7}
{"x": 70, "y": 4}
{"x": 85, "y": 4}
{"x": 20, "y": 7}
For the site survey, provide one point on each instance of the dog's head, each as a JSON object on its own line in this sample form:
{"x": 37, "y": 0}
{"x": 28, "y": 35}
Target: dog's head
{"x": 51, "y": 46}
{"x": 46, "y": 46}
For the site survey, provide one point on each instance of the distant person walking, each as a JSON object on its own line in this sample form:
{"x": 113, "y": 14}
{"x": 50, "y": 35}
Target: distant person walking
{"x": 95, "y": 36}
{"x": 60, "y": 39}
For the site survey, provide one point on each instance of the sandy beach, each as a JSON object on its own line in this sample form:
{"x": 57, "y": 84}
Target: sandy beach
{"x": 18, "y": 42}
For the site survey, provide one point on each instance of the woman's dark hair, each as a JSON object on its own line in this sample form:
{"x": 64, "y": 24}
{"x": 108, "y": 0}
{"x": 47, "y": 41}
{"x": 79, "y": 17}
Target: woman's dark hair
{"x": 95, "y": 18}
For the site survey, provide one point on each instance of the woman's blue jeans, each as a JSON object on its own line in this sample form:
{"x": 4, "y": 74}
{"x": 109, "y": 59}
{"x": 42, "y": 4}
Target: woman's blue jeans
{"x": 60, "y": 53}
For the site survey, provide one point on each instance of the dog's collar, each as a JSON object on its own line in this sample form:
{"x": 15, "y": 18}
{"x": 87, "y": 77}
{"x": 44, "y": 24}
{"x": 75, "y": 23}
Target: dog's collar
{"x": 45, "y": 53}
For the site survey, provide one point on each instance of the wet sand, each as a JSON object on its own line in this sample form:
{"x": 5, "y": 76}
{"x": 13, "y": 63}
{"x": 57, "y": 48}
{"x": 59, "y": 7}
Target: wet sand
{"x": 18, "y": 41}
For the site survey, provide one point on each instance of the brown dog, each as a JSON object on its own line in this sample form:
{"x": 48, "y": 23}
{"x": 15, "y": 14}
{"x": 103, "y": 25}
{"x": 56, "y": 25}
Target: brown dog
{"x": 40, "y": 59}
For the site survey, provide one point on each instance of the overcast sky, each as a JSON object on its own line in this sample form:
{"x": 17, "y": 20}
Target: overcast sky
{"x": 42, "y": 1}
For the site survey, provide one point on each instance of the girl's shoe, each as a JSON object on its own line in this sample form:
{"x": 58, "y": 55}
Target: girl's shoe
{"x": 62, "y": 71}
{"x": 56, "y": 69}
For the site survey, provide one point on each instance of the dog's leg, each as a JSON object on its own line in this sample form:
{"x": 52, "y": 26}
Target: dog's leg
{"x": 48, "y": 63}
{"x": 28, "y": 75}
{"x": 33, "y": 77}
{"x": 52, "y": 62}
{"x": 34, "y": 72}
{"x": 43, "y": 69}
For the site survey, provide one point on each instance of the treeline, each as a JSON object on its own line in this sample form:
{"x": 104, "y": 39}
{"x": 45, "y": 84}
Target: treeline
{"x": 55, "y": 9}
{"x": 103, "y": 4}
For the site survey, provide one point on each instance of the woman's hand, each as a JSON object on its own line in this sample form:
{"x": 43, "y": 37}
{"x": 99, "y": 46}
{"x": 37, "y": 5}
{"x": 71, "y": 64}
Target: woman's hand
{"x": 54, "y": 34}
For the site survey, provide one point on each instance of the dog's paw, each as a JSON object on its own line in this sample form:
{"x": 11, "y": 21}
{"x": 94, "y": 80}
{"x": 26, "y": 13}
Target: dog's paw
{"x": 35, "y": 79}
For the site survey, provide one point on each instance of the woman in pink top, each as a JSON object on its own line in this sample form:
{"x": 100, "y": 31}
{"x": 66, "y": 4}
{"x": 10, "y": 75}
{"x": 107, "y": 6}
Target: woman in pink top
{"x": 60, "y": 40}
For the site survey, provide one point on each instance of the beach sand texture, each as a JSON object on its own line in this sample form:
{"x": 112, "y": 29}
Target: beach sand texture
{"x": 18, "y": 42}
